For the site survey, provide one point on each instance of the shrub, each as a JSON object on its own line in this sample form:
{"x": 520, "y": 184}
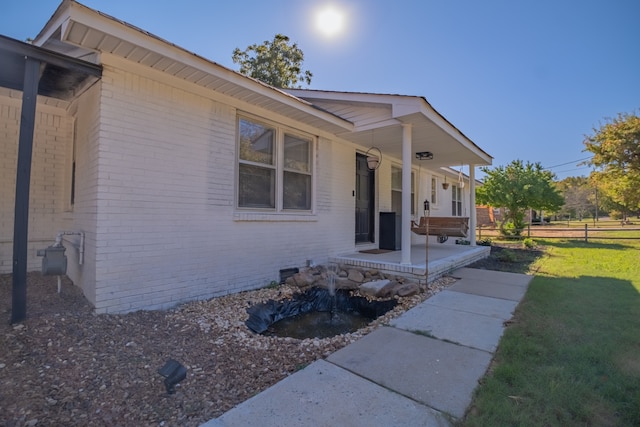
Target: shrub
{"x": 506, "y": 255}
{"x": 484, "y": 242}
{"x": 529, "y": 243}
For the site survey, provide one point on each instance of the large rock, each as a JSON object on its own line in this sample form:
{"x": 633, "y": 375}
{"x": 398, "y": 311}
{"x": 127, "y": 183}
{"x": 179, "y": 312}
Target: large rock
{"x": 304, "y": 279}
{"x": 355, "y": 275}
{"x": 406, "y": 290}
{"x": 377, "y": 288}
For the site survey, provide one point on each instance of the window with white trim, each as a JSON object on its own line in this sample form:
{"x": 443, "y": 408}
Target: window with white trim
{"x": 274, "y": 167}
{"x": 434, "y": 191}
{"x": 456, "y": 200}
{"x": 396, "y": 191}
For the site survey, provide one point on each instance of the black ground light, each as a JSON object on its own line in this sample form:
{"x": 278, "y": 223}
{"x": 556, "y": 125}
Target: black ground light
{"x": 173, "y": 372}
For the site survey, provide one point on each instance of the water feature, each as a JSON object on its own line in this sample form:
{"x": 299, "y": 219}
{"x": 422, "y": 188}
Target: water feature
{"x": 316, "y": 313}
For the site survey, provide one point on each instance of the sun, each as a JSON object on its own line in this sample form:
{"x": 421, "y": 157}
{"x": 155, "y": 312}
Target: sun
{"x": 330, "y": 21}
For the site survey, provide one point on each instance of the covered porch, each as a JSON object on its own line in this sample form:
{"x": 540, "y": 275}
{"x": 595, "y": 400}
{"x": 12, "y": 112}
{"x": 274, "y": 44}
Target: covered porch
{"x": 442, "y": 259}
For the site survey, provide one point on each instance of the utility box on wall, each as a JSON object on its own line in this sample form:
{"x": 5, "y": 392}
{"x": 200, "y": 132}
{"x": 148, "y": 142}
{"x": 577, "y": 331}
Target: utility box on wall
{"x": 54, "y": 262}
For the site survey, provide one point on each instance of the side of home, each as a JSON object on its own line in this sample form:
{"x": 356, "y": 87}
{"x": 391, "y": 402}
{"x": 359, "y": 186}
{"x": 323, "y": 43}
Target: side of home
{"x": 188, "y": 180}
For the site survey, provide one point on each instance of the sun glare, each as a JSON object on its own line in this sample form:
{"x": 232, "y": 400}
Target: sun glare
{"x": 330, "y": 21}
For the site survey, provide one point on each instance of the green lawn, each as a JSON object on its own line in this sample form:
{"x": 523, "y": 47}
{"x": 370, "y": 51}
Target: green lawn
{"x": 571, "y": 357}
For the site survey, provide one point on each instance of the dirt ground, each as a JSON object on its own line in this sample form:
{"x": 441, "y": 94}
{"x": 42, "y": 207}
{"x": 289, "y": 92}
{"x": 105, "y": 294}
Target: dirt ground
{"x": 66, "y": 366}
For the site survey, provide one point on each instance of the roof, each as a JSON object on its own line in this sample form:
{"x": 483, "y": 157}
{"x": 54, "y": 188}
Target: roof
{"x": 80, "y": 31}
{"x": 378, "y": 120}
{"x": 62, "y": 77}
{"x": 365, "y": 119}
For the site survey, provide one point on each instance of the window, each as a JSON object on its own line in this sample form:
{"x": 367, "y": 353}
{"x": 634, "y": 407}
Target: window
{"x": 396, "y": 191}
{"x": 274, "y": 167}
{"x": 434, "y": 191}
{"x": 456, "y": 201}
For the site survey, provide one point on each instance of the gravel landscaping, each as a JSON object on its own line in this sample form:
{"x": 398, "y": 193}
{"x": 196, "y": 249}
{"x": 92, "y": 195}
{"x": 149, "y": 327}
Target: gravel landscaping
{"x": 66, "y": 366}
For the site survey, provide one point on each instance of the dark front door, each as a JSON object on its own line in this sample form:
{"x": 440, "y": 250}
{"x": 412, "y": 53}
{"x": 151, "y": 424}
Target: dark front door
{"x": 364, "y": 201}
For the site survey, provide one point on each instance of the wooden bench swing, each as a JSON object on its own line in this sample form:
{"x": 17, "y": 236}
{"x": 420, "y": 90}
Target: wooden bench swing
{"x": 442, "y": 226}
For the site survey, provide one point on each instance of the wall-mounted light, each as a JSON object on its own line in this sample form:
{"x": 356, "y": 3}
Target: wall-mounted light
{"x": 424, "y": 155}
{"x": 374, "y": 158}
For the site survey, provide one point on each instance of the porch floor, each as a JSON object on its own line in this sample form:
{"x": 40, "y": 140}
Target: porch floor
{"x": 443, "y": 258}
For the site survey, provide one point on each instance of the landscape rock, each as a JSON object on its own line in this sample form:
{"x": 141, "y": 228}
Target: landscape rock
{"x": 407, "y": 290}
{"x": 355, "y": 275}
{"x": 377, "y": 288}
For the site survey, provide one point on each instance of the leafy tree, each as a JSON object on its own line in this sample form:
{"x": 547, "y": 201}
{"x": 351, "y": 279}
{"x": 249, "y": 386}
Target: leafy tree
{"x": 616, "y": 152}
{"x": 616, "y": 144}
{"x": 275, "y": 62}
{"x": 579, "y": 196}
{"x": 518, "y": 187}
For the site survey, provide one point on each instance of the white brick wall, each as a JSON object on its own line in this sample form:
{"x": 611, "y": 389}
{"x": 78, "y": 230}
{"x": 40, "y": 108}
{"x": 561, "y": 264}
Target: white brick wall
{"x": 48, "y": 177}
{"x": 167, "y": 230}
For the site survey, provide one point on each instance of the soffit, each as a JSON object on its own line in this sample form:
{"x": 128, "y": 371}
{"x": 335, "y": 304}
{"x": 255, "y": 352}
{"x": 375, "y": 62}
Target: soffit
{"x": 62, "y": 77}
{"x": 379, "y": 119}
{"x": 80, "y": 30}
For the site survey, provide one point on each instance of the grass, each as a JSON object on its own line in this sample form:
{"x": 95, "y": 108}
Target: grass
{"x": 571, "y": 357}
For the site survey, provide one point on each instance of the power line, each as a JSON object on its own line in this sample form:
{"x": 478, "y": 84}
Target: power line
{"x": 568, "y": 163}
{"x": 569, "y": 170}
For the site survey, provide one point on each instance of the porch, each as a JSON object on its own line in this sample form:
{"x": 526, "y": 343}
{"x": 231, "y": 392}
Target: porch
{"x": 443, "y": 258}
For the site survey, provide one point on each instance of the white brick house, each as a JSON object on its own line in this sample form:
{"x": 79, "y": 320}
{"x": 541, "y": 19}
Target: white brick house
{"x": 161, "y": 166}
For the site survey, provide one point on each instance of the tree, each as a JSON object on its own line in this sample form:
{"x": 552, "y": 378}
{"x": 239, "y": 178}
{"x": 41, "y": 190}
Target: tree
{"x": 275, "y": 62}
{"x": 579, "y": 197}
{"x": 616, "y": 152}
{"x": 616, "y": 144}
{"x": 518, "y": 187}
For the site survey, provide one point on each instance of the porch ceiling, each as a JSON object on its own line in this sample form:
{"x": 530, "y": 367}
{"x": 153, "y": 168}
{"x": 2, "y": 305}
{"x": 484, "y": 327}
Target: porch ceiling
{"x": 379, "y": 119}
{"x": 426, "y": 136}
{"x": 61, "y": 77}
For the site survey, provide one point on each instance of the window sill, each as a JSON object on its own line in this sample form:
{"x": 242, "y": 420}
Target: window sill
{"x": 275, "y": 217}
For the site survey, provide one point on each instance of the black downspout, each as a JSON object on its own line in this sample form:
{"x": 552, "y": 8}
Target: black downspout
{"x": 23, "y": 182}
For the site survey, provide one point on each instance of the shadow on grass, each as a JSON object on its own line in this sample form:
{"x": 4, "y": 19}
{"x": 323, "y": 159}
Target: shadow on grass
{"x": 568, "y": 358}
{"x": 582, "y": 244}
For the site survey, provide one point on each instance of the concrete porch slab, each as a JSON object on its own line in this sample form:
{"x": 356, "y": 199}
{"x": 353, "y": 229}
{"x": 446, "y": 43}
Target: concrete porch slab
{"x": 439, "y": 374}
{"x": 323, "y": 394}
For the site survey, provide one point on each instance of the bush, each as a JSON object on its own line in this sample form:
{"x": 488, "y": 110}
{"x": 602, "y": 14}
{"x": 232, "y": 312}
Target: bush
{"x": 529, "y": 243}
{"x": 506, "y": 256}
{"x": 485, "y": 241}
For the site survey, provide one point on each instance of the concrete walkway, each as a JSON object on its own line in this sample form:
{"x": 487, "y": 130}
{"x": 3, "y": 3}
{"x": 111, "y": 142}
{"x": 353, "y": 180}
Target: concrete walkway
{"x": 420, "y": 370}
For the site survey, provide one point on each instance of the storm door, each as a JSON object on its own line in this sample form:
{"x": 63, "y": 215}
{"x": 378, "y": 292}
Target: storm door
{"x": 365, "y": 219}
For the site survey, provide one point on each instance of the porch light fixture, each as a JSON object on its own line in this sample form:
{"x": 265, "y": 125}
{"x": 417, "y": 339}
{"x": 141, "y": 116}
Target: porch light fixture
{"x": 424, "y": 155}
{"x": 373, "y": 159}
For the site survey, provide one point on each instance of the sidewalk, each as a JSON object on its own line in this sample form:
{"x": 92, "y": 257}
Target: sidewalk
{"x": 420, "y": 370}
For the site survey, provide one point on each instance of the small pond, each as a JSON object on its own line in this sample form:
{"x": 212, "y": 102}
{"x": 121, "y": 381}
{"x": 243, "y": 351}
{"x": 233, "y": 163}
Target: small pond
{"x": 316, "y": 313}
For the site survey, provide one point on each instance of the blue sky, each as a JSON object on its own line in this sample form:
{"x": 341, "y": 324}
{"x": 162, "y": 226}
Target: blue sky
{"x": 523, "y": 79}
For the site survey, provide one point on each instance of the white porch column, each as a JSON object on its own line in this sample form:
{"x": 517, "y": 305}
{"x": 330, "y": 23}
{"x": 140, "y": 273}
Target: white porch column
{"x": 406, "y": 194}
{"x": 473, "y": 218}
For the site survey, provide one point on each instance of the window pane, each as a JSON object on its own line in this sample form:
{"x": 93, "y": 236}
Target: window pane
{"x": 396, "y": 178}
{"x": 433, "y": 191}
{"x": 256, "y": 187}
{"x": 296, "y": 153}
{"x": 256, "y": 142}
{"x": 297, "y": 191}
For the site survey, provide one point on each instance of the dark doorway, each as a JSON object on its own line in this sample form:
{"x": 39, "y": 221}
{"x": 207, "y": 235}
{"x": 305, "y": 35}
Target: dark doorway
{"x": 365, "y": 221}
